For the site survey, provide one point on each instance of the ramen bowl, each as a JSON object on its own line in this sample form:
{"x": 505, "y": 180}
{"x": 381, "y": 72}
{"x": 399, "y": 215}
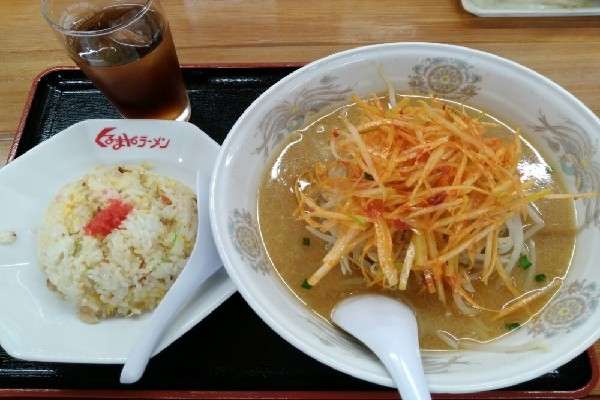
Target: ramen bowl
{"x": 555, "y": 122}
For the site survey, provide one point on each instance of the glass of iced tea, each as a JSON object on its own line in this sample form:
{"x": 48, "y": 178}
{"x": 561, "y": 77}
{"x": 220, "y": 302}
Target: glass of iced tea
{"x": 125, "y": 47}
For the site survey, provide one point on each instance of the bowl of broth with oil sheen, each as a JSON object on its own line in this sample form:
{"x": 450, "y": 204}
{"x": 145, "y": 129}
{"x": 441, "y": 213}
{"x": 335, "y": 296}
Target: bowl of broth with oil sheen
{"x": 425, "y": 172}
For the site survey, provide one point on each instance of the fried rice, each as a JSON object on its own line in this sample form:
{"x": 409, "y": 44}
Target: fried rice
{"x": 113, "y": 242}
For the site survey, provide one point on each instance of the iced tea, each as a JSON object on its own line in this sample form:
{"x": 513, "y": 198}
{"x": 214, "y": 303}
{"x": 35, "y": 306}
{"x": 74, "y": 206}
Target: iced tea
{"x": 128, "y": 52}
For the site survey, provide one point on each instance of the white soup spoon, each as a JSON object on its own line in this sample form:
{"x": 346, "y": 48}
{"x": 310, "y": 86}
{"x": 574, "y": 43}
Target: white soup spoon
{"x": 389, "y": 328}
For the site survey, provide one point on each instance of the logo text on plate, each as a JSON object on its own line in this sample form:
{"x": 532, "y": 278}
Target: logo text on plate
{"x": 117, "y": 141}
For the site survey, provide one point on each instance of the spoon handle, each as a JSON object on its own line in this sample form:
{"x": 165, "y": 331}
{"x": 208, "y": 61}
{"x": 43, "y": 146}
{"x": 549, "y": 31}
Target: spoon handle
{"x": 202, "y": 264}
{"x": 406, "y": 371}
{"x": 389, "y": 328}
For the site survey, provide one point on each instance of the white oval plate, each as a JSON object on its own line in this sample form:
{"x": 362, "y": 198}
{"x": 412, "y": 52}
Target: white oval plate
{"x": 531, "y": 8}
{"x": 35, "y": 323}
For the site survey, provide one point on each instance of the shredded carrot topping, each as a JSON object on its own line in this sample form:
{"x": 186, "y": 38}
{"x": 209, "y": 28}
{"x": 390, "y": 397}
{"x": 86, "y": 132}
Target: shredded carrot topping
{"x": 418, "y": 189}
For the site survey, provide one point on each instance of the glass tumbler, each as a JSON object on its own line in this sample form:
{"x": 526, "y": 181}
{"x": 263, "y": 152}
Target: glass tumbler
{"x": 125, "y": 47}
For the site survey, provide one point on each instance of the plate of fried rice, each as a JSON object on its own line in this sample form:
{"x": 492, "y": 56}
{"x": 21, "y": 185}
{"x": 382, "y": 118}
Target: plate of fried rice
{"x": 97, "y": 224}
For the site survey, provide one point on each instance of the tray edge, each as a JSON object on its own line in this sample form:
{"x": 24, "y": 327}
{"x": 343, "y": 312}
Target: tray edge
{"x": 42, "y": 74}
{"x": 299, "y": 395}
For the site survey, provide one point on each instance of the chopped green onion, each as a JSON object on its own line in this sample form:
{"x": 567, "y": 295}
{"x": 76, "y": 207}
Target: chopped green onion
{"x": 359, "y": 220}
{"x": 306, "y": 241}
{"x": 512, "y": 326}
{"x": 77, "y": 247}
{"x": 524, "y": 262}
{"x": 540, "y": 278}
{"x": 549, "y": 169}
{"x": 368, "y": 176}
{"x": 174, "y": 239}
{"x": 306, "y": 285}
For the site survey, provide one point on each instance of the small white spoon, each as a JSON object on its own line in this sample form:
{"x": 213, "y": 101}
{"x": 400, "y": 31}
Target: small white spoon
{"x": 202, "y": 264}
{"x": 389, "y": 328}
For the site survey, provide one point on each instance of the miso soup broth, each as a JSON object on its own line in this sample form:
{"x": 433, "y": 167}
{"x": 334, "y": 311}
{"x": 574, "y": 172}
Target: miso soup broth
{"x": 296, "y": 253}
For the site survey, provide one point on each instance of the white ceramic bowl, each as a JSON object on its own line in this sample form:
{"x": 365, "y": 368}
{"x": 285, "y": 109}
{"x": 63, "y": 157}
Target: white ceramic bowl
{"x": 553, "y": 119}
